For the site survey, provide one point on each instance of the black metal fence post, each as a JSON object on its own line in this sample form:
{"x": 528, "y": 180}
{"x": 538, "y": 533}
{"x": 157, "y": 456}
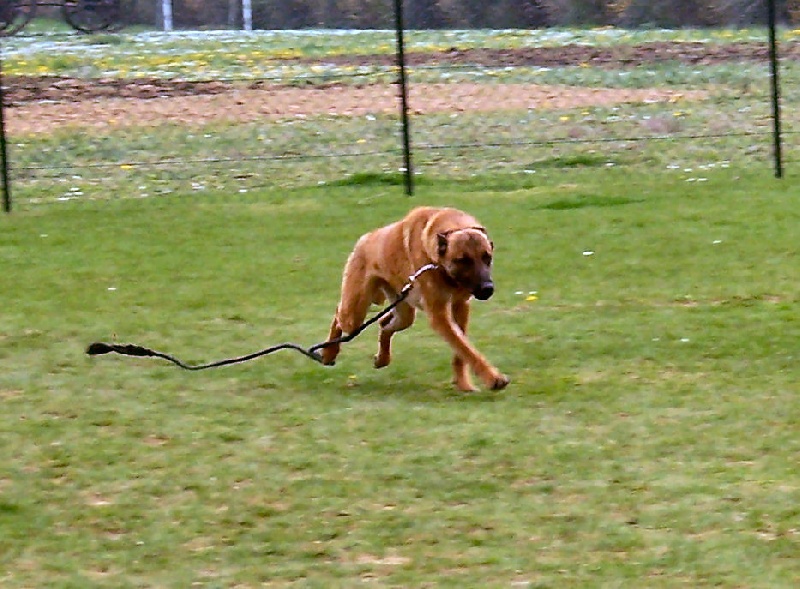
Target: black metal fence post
{"x": 776, "y": 99}
{"x": 401, "y": 66}
{"x": 3, "y": 145}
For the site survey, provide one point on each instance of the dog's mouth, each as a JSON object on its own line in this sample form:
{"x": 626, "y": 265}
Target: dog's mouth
{"x": 482, "y": 291}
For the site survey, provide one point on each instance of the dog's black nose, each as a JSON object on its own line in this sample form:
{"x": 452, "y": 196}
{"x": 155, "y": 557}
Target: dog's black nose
{"x": 485, "y": 291}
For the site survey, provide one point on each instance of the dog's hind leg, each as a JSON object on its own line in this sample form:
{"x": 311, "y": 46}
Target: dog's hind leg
{"x": 402, "y": 317}
{"x": 353, "y": 307}
{"x": 347, "y": 320}
{"x": 461, "y": 377}
{"x": 330, "y": 352}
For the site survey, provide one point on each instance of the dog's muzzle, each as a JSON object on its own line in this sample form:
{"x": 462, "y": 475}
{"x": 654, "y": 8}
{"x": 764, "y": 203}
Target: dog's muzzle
{"x": 484, "y": 291}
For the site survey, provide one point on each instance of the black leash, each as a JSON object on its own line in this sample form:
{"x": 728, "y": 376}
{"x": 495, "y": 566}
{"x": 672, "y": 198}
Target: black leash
{"x": 99, "y": 348}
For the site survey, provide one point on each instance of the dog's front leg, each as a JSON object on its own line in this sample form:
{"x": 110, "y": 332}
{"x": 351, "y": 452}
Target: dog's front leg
{"x": 442, "y": 321}
{"x": 461, "y": 377}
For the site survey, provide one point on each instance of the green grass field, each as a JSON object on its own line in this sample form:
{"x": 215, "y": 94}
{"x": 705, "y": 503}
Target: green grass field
{"x": 648, "y": 438}
{"x": 647, "y": 311}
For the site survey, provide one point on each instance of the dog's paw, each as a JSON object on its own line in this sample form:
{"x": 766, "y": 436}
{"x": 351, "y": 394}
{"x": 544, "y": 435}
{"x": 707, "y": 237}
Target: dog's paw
{"x": 499, "y": 382}
{"x": 328, "y": 357}
{"x": 381, "y": 361}
{"x": 464, "y": 383}
{"x": 467, "y": 387}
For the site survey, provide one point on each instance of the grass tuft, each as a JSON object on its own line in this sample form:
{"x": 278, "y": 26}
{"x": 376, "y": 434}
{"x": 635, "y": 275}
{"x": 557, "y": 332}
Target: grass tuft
{"x": 372, "y": 179}
{"x": 583, "y": 201}
{"x": 581, "y": 160}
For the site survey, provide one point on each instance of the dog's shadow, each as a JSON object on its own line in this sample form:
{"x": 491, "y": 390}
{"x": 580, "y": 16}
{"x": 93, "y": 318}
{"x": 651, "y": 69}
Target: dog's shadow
{"x": 429, "y": 387}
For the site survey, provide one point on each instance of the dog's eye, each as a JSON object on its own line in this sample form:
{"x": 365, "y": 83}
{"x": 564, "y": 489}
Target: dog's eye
{"x": 487, "y": 259}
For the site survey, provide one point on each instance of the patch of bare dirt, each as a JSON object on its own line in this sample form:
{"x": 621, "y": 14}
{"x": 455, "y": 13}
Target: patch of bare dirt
{"x": 249, "y": 105}
{"x": 619, "y": 56}
{"x": 20, "y": 90}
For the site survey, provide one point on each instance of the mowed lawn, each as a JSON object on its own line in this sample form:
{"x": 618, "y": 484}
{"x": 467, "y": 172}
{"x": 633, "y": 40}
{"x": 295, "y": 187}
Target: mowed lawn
{"x": 650, "y": 437}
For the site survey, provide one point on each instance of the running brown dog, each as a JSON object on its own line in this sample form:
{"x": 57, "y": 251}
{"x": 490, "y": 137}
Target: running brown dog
{"x": 380, "y": 265}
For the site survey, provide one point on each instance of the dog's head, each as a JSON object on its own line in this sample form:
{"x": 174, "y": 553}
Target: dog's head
{"x": 465, "y": 256}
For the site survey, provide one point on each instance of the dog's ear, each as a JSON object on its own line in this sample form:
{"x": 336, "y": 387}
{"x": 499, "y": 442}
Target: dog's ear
{"x": 441, "y": 243}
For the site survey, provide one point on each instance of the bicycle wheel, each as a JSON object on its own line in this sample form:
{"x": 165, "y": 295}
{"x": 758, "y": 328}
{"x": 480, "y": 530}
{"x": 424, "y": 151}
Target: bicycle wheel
{"x": 16, "y": 14}
{"x": 124, "y": 7}
{"x": 91, "y": 16}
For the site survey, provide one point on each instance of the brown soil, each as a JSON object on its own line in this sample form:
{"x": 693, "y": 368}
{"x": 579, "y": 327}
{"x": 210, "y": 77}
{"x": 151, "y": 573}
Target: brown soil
{"x": 612, "y": 57}
{"x": 243, "y": 105}
{"x": 43, "y": 104}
